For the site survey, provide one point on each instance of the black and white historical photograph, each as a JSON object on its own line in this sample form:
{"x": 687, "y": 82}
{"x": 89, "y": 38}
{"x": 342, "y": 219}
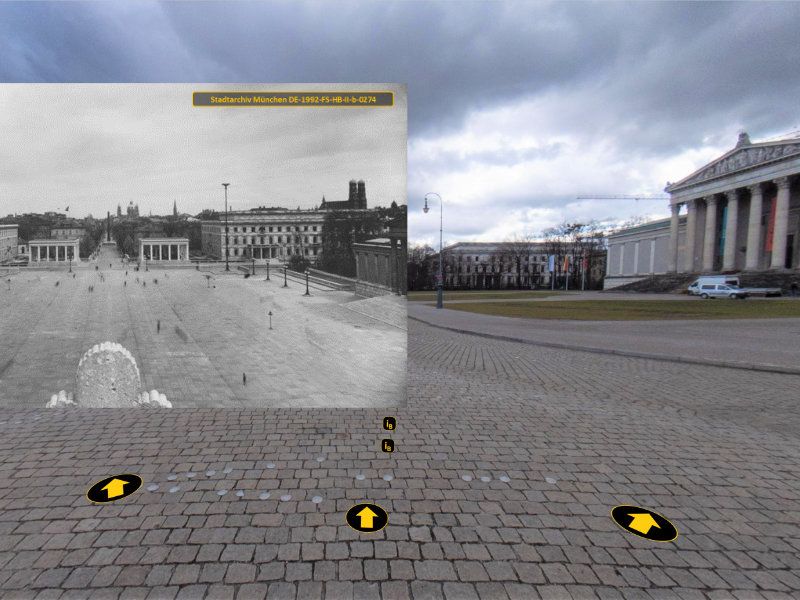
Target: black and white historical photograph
{"x": 159, "y": 252}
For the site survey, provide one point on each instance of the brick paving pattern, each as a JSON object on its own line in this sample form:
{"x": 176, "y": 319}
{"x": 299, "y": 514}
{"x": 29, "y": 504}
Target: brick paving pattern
{"x": 509, "y": 459}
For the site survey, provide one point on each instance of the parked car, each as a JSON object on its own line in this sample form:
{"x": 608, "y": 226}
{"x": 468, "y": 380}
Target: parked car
{"x": 718, "y": 290}
{"x": 694, "y": 287}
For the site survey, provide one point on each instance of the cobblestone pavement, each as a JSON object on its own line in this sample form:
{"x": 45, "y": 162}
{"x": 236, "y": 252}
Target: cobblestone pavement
{"x": 509, "y": 460}
{"x": 752, "y": 343}
{"x": 211, "y": 332}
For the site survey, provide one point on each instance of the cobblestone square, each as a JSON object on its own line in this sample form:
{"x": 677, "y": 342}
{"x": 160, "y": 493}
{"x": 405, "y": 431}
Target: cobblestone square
{"x": 194, "y": 337}
{"x": 509, "y": 460}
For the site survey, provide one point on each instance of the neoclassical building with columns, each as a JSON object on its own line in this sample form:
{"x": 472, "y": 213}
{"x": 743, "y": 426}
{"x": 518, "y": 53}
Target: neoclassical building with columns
{"x": 741, "y": 212}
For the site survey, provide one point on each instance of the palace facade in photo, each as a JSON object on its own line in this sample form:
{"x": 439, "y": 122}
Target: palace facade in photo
{"x": 263, "y": 234}
{"x": 741, "y": 212}
{"x": 276, "y": 233}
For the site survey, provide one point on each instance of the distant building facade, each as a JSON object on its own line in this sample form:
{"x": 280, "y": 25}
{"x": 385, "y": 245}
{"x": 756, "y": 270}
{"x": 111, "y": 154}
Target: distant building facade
{"x": 67, "y": 231}
{"x": 265, "y": 234}
{"x": 8, "y": 242}
{"x": 480, "y": 265}
{"x": 742, "y": 213}
{"x": 275, "y": 233}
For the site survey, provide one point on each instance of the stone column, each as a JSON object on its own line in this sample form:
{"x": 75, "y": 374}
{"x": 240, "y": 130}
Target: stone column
{"x": 691, "y": 235}
{"x": 753, "y": 258}
{"x": 710, "y": 234}
{"x": 781, "y": 224}
{"x": 652, "y": 257}
{"x": 672, "y": 264}
{"x": 731, "y": 231}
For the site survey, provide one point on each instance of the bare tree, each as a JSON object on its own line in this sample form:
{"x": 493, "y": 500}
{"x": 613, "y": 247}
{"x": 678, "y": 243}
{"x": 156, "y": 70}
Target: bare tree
{"x": 420, "y": 267}
{"x": 516, "y": 251}
{"x": 583, "y": 243}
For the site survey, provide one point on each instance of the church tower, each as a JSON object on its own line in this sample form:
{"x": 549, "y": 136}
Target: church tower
{"x": 174, "y": 208}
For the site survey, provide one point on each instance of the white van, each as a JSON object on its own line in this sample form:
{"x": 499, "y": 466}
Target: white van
{"x": 694, "y": 287}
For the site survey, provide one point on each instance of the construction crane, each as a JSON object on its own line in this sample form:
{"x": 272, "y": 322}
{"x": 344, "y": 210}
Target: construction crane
{"x": 622, "y": 197}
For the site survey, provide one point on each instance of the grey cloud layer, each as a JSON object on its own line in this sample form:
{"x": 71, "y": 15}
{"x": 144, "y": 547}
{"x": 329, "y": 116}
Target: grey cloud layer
{"x": 648, "y": 79}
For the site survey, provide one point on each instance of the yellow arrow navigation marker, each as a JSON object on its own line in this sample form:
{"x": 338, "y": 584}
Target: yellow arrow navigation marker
{"x": 114, "y": 488}
{"x": 644, "y": 523}
{"x": 367, "y": 518}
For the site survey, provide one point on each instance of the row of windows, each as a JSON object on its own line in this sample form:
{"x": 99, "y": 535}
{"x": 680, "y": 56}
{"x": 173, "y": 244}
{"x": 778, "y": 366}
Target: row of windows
{"x": 243, "y": 252}
{"x": 278, "y": 239}
{"x": 492, "y": 258}
{"x": 263, "y": 228}
{"x": 491, "y": 269}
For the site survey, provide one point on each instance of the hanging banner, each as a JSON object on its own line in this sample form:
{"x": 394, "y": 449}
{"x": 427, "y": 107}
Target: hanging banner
{"x": 566, "y": 264}
{"x": 551, "y": 263}
{"x": 770, "y": 225}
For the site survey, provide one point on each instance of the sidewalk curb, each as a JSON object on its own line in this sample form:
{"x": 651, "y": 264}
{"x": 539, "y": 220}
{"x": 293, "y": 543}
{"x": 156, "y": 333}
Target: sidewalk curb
{"x": 673, "y": 359}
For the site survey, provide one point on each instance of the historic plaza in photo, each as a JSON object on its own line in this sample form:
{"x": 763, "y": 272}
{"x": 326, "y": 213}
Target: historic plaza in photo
{"x": 195, "y": 333}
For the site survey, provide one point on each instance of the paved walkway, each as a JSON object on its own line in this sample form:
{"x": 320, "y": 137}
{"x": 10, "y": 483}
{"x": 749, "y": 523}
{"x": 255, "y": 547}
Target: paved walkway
{"x": 772, "y": 344}
{"x": 509, "y": 459}
{"x": 318, "y": 353}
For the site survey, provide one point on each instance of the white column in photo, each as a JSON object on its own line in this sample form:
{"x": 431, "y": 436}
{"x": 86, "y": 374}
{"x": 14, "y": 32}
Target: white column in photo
{"x": 710, "y": 233}
{"x": 672, "y": 265}
{"x": 731, "y": 226}
{"x": 781, "y": 223}
{"x": 753, "y": 257}
{"x": 691, "y": 234}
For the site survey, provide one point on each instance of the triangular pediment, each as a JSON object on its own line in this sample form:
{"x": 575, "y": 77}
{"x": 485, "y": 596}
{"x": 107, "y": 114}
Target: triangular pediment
{"x": 740, "y": 159}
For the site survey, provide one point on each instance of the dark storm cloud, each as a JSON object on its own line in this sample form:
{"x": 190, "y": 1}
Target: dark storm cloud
{"x": 631, "y": 82}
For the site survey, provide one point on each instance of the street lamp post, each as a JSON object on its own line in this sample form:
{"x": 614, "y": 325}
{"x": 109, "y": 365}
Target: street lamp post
{"x": 267, "y": 269}
{"x": 284, "y": 278}
{"x": 225, "y": 185}
{"x": 270, "y": 319}
{"x": 440, "y": 281}
{"x": 307, "y": 292}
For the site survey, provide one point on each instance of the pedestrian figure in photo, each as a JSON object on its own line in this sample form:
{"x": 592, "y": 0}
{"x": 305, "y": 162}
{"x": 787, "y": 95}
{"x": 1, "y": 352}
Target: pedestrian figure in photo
{"x": 57, "y": 282}
{"x": 124, "y": 284}
{"x": 144, "y": 284}
{"x": 158, "y": 326}
{"x": 244, "y": 378}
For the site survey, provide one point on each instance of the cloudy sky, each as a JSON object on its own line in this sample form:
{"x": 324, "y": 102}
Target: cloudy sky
{"x": 94, "y": 146}
{"x": 514, "y": 109}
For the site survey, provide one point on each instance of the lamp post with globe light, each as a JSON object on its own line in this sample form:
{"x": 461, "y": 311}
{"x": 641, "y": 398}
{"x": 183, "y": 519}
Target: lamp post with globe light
{"x": 440, "y": 277}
